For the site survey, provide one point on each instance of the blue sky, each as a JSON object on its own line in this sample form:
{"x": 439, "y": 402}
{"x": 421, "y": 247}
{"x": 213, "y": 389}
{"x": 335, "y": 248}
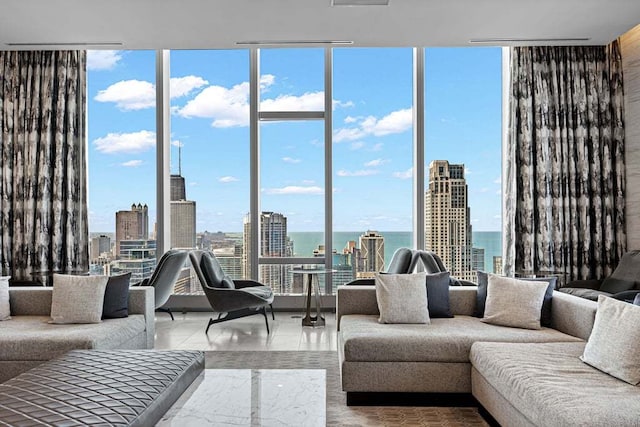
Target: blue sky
{"x": 372, "y": 127}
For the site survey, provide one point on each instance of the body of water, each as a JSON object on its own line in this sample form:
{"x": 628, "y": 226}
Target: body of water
{"x": 304, "y": 243}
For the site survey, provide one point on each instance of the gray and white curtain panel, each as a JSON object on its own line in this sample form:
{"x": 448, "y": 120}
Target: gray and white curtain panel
{"x": 564, "y": 206}
{"x": 43, "y": 187}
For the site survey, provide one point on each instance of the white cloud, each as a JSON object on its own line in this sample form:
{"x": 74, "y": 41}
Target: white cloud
{"x": 132, "y": 163}
{"x": 362, "y": 172}
{"x": 267, "y": 80}
{"x": 404, "y": 174}
{"x": 227, "y": 179}
{"x": 134, "y": 142}
{"x": 377, "y": 147}
{"x": 309, "y": 101}
{"x": 376, "y": 162}
{"x": 103, "y": 59}
{"x": 129, "y": 95}
{"x": 177, "y": 143}
{"x": 294, "y": 189}
{"x": 356, "y": 145}
{"x": 498, "y": 216}
{"x": 181, "y": 86}
{"x": 498, "y": 180}
{"x": 308, "y": 181}
{"x": 350, "y": 119}
{"x": 467, "y": 171}
{"x": 483, "y": 190}
{"x": 290, "y": 160}
{"x": 193, "y": 184}
{"x": 227, "y": 107}
{"x": 394, "y": 122}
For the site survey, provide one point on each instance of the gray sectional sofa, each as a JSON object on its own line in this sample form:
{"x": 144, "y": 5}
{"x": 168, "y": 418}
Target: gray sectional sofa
{"x": 522, "y": 377}
{"x": 27, "y": 340}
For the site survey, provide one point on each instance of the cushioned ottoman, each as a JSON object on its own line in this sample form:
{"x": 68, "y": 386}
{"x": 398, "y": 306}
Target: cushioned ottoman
{"x": 99, "y": 387}
{"x": 548, "y": 385}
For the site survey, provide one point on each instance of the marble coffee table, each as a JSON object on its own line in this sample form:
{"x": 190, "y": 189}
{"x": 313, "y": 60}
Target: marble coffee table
{"x": 252, "y": 397}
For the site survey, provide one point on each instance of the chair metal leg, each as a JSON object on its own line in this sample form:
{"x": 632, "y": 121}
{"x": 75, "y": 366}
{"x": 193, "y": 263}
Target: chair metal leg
{"x": 266, "y": 319}
{"x": 166, "y": 310}
{"x": 273, "y": 316}
{"x": 237, "y": 314}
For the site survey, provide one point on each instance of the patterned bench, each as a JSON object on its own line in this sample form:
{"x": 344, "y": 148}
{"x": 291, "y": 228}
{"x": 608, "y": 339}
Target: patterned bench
{"x": 99, "y": 387}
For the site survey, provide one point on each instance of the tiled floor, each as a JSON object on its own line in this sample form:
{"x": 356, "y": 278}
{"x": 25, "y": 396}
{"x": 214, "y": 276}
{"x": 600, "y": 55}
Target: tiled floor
{"x": 186, "y": 332}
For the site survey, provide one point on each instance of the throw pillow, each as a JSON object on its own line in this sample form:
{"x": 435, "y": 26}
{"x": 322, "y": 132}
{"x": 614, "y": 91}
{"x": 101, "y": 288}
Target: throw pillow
{"x": 545, "y": 315}
{"x": 613, "y": 285}
{"x": 116, "y": 297}
{"x": 402, "y": 298}
{"x": 613, "y": 344}
{"x": 513, "y": 302}
{"x": 636, "y": 300}
{"x": 213, "y": 273}
{"x": 438, "y": 295}
{"x": 77, "y": 299}
{"x": 5, "y": 308}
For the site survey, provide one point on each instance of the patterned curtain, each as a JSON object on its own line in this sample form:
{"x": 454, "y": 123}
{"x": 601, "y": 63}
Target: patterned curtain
{"x": 43, "y": 211}
{"x": 564, "y": 161}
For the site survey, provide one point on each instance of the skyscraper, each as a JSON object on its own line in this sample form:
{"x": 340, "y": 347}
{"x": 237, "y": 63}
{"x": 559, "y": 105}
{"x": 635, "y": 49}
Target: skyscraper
{"x": 99, "y": 245}
{"x": 183, "y": 224}
{"x": 447, "y": 218}
{"x": 177, "y": 188}
{"x": 132, "y": 225}
{"x": 371, "y": 253}
{"x": 477, "y": 259}
{"x": 274, "y": 242}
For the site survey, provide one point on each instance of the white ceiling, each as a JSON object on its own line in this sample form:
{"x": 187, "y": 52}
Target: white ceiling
{"x": 203, "y": 24}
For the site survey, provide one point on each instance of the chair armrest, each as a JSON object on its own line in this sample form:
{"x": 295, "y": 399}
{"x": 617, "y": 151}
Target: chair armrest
{"x": 242, "y": 283}
{"x": 584, "y": 284}
{"x": 361, "y": 282}
{"x": 626, "y": 295}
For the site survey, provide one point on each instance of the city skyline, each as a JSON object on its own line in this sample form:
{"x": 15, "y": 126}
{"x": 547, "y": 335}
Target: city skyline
{"x": 372, "y": 133}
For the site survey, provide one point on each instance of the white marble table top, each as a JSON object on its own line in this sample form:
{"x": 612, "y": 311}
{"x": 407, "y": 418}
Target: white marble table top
{"x": 252, "y": 397}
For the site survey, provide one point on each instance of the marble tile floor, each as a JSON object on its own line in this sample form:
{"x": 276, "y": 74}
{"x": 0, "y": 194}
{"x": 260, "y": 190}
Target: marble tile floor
{"x": 186, "y": 332}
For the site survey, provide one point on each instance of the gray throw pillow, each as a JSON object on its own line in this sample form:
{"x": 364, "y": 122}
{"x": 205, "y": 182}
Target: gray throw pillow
{"x": 613, "y": 344}
{"x": 77, "y": 299}
{"x": 5, "y": 308}
{"x": 545, "y": 313}
{"x": 402, "y": 298}
{"x": 438, "y": 295}
{"x": 636, "y": 300}
{"x": 513, "y": 302}
{"x": 614, "y": 285}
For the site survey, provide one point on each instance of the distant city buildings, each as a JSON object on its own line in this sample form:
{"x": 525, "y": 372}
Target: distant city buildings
{"x": 447, "y": 218}
{"x": 183, "y": 216}
{"x": 477, "y": 259}
{"x": 100, "y": 245}
{"x": 132, "y": 225}
{"x": 497, "y": 264}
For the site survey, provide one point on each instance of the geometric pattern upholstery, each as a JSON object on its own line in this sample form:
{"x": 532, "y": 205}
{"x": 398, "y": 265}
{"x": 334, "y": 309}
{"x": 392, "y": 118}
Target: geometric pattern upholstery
{"x": 99, "y": 387}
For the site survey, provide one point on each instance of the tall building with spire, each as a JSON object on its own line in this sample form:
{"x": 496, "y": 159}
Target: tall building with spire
{"x": 183, "y": 212}
{"x": 371, "y": 253}
{"x": 447, "y": 218}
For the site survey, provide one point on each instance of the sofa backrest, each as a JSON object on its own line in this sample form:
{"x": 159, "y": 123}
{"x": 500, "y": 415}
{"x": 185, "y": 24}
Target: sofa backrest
{"x": 573, "y": 315}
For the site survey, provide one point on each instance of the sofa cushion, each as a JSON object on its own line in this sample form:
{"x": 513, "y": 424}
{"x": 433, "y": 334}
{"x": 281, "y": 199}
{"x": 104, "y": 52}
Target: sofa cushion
{"x": 77, "y": 299}
{"x": 614, "y": 344}
{"x": 444, "y": 340}
{"x": 32, "y": 338}
{"x": 402, "y": 298}
{"x": 5, "y": 308}
{"x": 513, "y": 302}
{"x": 438, "y": 295}
{"x": 545, "y": 314}
{"x": 550, "y": 386}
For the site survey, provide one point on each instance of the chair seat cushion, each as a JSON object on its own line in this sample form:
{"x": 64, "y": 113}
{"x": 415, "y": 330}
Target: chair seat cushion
{"x": 591, "y": 294}
{"x": 263, "y": 292}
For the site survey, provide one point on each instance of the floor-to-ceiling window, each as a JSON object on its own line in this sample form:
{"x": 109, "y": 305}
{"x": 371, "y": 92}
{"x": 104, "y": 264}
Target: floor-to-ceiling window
{"x": 122, "y": 145}
{"x": 463, "y": 131}
{"x": 372, "y": 158}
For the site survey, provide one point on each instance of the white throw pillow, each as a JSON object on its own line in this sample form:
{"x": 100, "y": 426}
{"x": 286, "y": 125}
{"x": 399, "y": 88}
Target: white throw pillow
{"x": 402, "y": 298}
{"x": 515, "y": 303}
{"x": 614, "y": 343}
{"x": 77, "y": 299}
{"x": 5, "y": 308}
